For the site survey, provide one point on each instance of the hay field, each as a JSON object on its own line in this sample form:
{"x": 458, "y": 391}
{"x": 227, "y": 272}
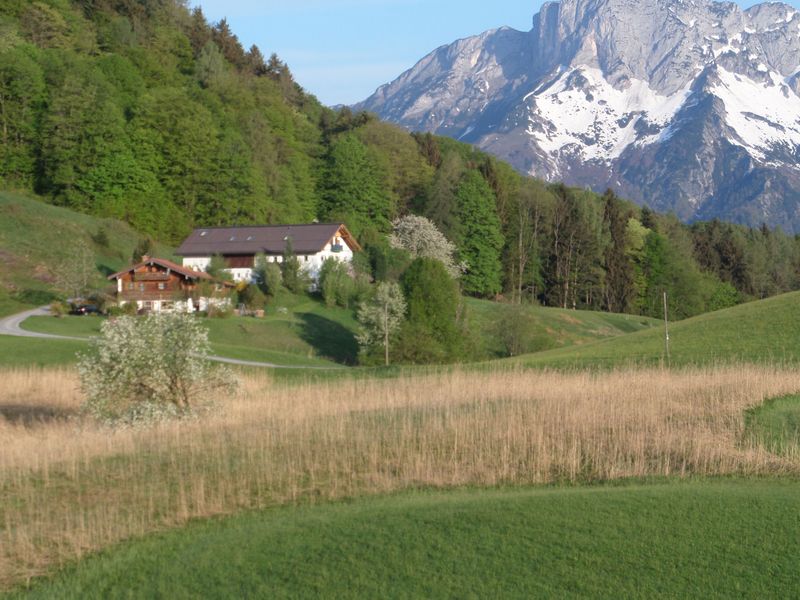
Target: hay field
{"x": 69, "y": 486}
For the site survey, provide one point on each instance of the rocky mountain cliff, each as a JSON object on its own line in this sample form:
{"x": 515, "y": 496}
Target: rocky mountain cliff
{"x": 689, "y": 106}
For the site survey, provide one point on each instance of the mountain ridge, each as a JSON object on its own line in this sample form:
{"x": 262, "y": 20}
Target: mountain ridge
{"x": 687, "y": 106}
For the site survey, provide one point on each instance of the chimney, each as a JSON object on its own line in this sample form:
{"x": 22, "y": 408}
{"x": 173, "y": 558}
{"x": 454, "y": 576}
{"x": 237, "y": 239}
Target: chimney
{"x": 145, "y": 258}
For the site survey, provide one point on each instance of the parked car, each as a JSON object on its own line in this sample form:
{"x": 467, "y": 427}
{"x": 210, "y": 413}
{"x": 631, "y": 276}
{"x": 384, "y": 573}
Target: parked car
{"x": 85, "y": 309}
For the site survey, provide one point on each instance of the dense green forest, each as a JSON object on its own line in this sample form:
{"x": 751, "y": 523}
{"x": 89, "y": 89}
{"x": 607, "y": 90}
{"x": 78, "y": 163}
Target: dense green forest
{"x": 143, "y": 111}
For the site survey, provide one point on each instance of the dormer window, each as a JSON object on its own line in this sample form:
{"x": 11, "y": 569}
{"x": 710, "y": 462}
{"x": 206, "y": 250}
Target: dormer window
{"x": 233, "y": 238}
{"x": 203, "y": 233}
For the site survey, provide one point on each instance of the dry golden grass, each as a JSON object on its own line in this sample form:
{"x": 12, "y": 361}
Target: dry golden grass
{"x": 69, "y": 486}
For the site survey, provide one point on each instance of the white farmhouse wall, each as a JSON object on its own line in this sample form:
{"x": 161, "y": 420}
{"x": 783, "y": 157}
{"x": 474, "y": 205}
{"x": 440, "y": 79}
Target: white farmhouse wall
{"x": 311, "y": 263}
{"x": 197, "y": 263}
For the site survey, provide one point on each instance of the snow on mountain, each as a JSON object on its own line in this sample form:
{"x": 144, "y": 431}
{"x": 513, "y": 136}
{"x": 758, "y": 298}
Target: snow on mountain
{"x": 686, "y": 105}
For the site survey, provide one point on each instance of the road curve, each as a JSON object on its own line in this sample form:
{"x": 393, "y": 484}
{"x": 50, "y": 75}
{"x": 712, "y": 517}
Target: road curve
{"x": 12, "y": 325}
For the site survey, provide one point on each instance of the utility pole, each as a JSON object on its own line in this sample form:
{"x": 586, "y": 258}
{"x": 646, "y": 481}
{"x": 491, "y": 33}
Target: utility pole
{"x": 666, "y": 330}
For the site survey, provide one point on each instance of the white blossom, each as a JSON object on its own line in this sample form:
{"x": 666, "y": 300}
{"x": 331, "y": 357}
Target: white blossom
{"x": 156, "y": 365}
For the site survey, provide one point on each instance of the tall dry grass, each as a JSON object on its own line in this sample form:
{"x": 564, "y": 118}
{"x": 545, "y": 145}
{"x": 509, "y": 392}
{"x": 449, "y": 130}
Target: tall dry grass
{"x": 69, "y": 486}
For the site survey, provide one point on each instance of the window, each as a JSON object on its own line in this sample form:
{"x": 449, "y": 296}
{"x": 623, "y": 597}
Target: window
{"x": 131, "y": 286}
{"x": 162, "y": 286}
{"x": 141, "y": 287}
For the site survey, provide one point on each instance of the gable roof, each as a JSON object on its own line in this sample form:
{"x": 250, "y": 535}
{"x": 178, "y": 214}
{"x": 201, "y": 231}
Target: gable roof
{"x": 167, "y": 264}
{"x": 269, "y": 239}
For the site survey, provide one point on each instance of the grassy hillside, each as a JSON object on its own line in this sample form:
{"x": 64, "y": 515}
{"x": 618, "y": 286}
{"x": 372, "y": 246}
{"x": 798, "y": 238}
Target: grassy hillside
{"x": 299, "y": 330}
{"x": 35, "y": 237}
{"x": 762, "y": 331}
{"x": 542, "y": 328}
{"x": 701, "y": 539}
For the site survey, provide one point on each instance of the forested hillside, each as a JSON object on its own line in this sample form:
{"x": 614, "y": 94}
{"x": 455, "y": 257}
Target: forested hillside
{"x": 141, "y": 110}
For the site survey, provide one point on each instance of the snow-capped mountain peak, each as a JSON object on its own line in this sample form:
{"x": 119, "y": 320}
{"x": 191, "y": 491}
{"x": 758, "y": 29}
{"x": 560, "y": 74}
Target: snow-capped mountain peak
{"x": 686, "y": 105}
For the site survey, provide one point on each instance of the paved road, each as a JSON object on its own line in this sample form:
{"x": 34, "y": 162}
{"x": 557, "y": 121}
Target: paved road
{"x": 11, "y": 325}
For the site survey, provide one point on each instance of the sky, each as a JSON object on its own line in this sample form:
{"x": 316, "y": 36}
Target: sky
{"x": 342, "y": 50}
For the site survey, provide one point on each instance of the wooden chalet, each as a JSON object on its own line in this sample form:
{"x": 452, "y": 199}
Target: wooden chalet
{"x": 157, "y": 284}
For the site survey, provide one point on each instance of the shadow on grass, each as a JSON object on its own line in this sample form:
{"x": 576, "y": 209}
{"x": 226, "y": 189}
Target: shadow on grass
{"x": 25, "y": 414}
{"x": 330, "y": 339}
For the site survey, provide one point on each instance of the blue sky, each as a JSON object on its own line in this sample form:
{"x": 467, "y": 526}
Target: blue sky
{"x": 341, "y": 50}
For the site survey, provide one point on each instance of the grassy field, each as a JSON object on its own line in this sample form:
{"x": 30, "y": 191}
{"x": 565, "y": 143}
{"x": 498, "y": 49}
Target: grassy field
{"x": 71, "y": 486}
{"x": 702, "y": 539}
{"x": 776, "y": 424}
{"x": 766, "y": 331}
{"x": 34, "y": 237}
{"x": 301, "y": 331}
{"x": 544, "y": 328}
{"x": 296, "y": 331}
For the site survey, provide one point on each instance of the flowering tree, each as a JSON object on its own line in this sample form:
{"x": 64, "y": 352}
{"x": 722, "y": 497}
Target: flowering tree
{"x": 150, "y": 367}
{"x": 421, "y": 239}
{"x": 381, "y": 317}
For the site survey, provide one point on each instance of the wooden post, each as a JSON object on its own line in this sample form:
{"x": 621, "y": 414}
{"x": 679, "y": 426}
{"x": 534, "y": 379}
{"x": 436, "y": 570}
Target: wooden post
{"x": 386, "y": 335}
{"x": 666, "y": 330}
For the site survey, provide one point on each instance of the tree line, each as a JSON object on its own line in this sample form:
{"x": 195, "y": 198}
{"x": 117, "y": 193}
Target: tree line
{"x": 142, "y": 110}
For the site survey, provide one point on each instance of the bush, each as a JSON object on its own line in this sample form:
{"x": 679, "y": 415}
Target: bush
{"x": 336, "y": 284}
{"x": 128, "y": 309}
{"x": 58, "y": 309}
{"x": 295, "y": 278}
{"x": 268, "y": 276}
{"x": 252, "y": 297}
{"x": 142, "y": 369}
{"x": 518, "y": 331}
{"x": 433, "y": 331}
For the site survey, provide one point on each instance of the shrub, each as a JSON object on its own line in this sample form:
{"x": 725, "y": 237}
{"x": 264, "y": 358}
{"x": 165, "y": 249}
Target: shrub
{"x": 121, "y": 310}
{"x": 295, "y": 278}
{"x": 433, "y": 331}
{"x": 141, "y": 369}
{"x": 336, "y": 284}
{"x": 267, "y": 276}
{"x": 58, "y": 309}
{"x": 100, "y": 237}
{"x": 252, "y": 297}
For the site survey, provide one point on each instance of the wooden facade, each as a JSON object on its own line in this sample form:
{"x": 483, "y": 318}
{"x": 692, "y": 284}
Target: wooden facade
{"x": 158, "y": 284}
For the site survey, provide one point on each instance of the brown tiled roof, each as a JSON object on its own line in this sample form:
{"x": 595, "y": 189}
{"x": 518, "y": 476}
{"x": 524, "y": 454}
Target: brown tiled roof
{"x": 167, "y": 264}
{"x": 269, "y": 239}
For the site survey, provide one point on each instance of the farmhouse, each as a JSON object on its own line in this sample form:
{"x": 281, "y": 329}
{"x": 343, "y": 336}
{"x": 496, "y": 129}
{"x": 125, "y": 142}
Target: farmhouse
{"x": 313, "y": 244}
{"x": 156, "y": 285}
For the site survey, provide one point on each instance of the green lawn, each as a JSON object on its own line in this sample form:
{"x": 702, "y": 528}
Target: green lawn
{"x": 32, "y": 352}
{"x": 763, "y": 331}
{"x": 713, "y": 539}
{"x": 296, "y": 331}
{"x": 775, "y": 424}
{"x": 544, "y": 328}
{"x": 302, "y": 331}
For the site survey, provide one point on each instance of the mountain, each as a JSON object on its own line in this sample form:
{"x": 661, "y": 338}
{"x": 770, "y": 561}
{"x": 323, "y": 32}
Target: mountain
{"x": 689, "y": 106}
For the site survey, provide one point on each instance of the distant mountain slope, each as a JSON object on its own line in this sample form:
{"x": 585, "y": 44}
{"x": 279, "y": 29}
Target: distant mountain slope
{"x": 687, "y": 106}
